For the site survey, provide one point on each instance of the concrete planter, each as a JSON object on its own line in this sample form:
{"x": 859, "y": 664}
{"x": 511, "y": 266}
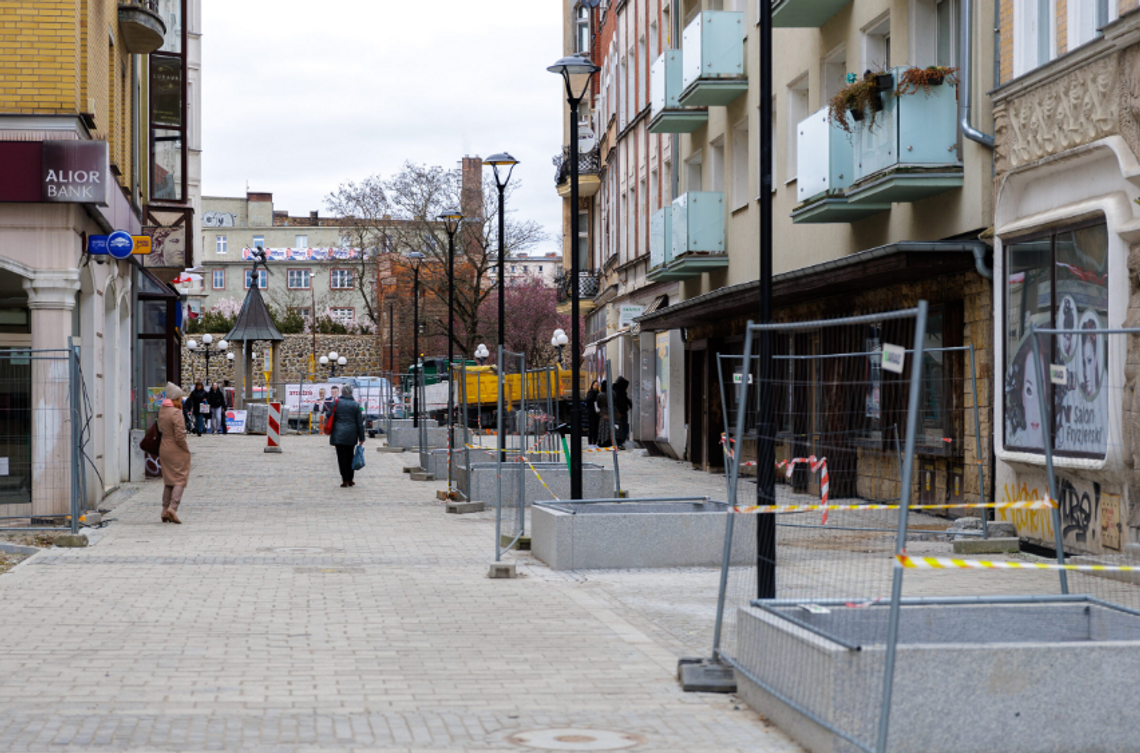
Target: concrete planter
{"x": 257, "y": 418}
{"x": 409, "y": 437}
{"x": 478, "y": 482}
{"x": 969, "y": 678}
{"x": 633, "y": 534}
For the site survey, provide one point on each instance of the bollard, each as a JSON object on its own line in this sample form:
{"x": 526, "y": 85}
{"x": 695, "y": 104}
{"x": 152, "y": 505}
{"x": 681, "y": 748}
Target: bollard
{"x": 273, "y": 428}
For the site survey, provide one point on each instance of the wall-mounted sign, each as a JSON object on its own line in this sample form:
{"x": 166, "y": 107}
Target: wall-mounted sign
{"x": 75, "y": 172}
{"x": 97, "y": 245}
{"x": 142, "y": 244}
{"x": 627, "y": 313}
{"x": 120, "y": 244}
{"x": 166, "y": 91}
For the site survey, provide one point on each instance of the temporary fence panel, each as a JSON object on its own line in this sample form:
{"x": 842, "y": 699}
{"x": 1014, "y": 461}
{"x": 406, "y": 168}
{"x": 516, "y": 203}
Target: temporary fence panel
{"x": 45, "y": 426}
{"x": 613, "y": 427}
{"x": 835, "y": 515}
{"x": 510, "y": 515}
{"x": 420, "y": 410}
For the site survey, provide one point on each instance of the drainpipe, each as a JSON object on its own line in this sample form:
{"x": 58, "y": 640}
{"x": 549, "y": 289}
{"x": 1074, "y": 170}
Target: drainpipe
{"x": 980, "y": 260}
{"x": 966, "y": 49}
{"x": 978, "y": 248}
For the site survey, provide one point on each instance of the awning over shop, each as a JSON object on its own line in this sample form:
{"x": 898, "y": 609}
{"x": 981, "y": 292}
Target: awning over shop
{"x": 884, "y": 265}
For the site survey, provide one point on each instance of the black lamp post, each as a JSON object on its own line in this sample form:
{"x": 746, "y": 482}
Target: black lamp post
{"x": 579, "y": 67}
{"x": 496, "y": 161}
{"x": 332, "y": 360}
{"x": 559, "y": 340}
{"x": 207, "y": 353}
{"x": 452, "y": 219}
{"x": 418, "y": 258}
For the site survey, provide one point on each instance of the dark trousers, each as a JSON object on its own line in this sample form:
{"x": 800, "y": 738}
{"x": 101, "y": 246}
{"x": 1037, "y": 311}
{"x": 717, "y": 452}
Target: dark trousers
{"x": 198, "y": 421}
{"x": 344, "y": 453}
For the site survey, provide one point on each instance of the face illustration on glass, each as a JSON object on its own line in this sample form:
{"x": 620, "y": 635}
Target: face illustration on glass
{"x": 1067, "y": 319}
{"x": 1030, "y": 404}
{"x": 1090, "y": 380}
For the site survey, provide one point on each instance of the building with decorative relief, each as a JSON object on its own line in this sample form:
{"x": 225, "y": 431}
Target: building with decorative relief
{"x": 1067, "y": 256}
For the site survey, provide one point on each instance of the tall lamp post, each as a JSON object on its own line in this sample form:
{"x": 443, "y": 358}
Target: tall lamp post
{"x": 481, "y": 353}
{"x": 582, "y": 69}
{"x": 559, "y": 341}
{"x": 496, "y": 161}
{"x": 451, "y": 219}
{"x": 332, "y": 360}
{"x": 418, "y": 259}
{"x": 207, "y": 339}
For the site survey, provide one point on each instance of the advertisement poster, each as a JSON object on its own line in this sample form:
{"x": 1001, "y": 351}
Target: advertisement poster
{"x": 661, "y": 385}
{"x": 154, "y": 398}
{"x": 235, "y": 421}
{"x": 309, "y": 397}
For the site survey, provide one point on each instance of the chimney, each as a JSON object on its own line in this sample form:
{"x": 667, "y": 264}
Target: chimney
{"x": 313, "y": 215}
{"x": 471, "y": 198}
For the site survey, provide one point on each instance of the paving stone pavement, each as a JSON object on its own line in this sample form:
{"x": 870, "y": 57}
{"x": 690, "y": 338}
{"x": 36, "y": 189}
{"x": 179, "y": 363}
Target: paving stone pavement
{"x": 288, "y": 614}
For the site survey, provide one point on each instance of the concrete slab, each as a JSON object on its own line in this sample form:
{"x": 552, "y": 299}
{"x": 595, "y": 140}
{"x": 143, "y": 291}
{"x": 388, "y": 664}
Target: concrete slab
{"x": 385, "y": 448}
{"x": 421, "y": 476}
{"x": 502, "y": 570}
{"x": 704, "y": 676}
{"x": 986, "y": 546}
{"x": 462, "y": 508}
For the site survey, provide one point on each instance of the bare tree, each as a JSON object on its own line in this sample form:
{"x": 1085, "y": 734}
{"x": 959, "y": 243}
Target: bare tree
{"x": 399, "y": 214}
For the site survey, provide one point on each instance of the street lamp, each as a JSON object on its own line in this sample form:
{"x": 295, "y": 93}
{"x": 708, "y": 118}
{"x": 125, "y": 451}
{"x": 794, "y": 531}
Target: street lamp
{"x": 496, "y": 161}
{"x": 207, "y": 352}
{"x": 481, "y": 353}
{"x": 451, "y": 219}
{"x": 418, "y": 259}
{"x": 581, "y": 68}
{"x": 332, "y": 360}
{"x": 559, "y": 341}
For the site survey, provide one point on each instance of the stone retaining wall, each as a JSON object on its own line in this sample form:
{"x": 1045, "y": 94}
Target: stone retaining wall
{"x": 362, "y": 351}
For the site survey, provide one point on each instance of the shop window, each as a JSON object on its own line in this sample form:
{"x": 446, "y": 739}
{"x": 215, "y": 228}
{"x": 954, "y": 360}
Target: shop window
{"x": 1057, "y": 280}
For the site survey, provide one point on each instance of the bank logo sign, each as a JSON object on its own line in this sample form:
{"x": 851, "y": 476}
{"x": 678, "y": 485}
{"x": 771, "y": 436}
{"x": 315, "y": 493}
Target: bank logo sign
{"x": 75, "y": 172}
{"x": 120, "y": 244}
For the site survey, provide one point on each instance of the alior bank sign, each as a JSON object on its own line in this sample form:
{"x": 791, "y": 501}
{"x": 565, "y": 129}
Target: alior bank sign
{"x": 75, "y": 172}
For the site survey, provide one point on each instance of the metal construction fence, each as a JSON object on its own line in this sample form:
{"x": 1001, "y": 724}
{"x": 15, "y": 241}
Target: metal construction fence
{"x": 510, "y": 512}
{"x": 45, "y": 428}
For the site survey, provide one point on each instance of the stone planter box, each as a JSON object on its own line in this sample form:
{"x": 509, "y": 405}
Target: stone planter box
{"x": 409, "y": 437}
{"x": 632, "y": 534}
{"x": 969, "y": 678}
{"x": 478, "y": 481}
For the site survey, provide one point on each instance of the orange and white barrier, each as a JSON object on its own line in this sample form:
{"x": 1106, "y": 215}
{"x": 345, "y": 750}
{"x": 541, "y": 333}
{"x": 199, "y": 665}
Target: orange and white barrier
{"x": 273, "y": 428}
{"x": 950, "y": 563}
{"x": 1039, "y": 505}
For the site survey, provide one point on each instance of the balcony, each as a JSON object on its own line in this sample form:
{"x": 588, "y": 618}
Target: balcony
{"x": 661, "y": 237}
{"x": 825, "y": 168}
{"x": 696, "y": 233}
{"x": 589, "y": 285}
{"x": 912, "y": 151}
{"x": 713, "y": 70}
{"x": 589, "y": 165}
{"x": 140, "y": 26}
{"x": 804, "y": 14}
{"x": 667, "y": 115}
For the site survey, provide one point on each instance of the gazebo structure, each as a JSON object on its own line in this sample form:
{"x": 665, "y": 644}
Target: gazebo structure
{"x": 253, "y": 324}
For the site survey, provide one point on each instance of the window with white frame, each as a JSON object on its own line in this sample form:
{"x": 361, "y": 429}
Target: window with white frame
{"x": 642, "y": 213}
{"x": 740, "y": 163}
{"x": 1086, "y": 18}
{"x": 262, "y": 279}
{"x": 583, "y": 240}
{"x": 343, "y": 314}
{"x": 946, "y": 23}
{"x": 797, "y": 112}
{"x": 301, "y": 241}
{"x": 340, "y": 279}
{"x": 877, "y": 44}
{"x": 716, "y": 164}
{"x": 304, "y": 311}
{"x": 583, "y": 36}
{"x": 259, "y": 241}
{"x": 693, "y": 179}
{"x": 220, "y": 244}
{"x": 218, "y": 279}
{"x": 299, "y": 279}
{"x": 833, "y": 68}
{"x": 1034, "y": 34}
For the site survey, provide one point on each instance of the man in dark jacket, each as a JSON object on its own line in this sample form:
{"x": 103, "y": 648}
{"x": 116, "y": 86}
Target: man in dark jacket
{"x": 347, "y": 431}
{"x": 217, "y": 402}
{"x": 621, "y": 407}
{"x": 197, "y": 399}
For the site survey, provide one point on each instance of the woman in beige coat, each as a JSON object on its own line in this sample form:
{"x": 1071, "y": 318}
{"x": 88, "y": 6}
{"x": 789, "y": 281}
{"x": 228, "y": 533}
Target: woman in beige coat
{"x": 173, "y": 453}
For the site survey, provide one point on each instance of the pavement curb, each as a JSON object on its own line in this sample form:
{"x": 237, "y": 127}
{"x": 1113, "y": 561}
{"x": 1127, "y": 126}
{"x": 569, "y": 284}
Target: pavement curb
{"x": 8, "y": 548}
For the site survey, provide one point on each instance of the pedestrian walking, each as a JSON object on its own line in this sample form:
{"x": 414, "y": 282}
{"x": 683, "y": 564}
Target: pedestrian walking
{"x": 199, "y": 407}
{"x": 173, "y": 453}
{"x": 345, "y": 430}
{"x": 217, "y": 402}
{"x": 621, "y": 407}
{"x": 592, "y": 415}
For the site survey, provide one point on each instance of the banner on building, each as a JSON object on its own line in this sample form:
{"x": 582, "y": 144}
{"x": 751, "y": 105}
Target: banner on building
{"x": 661, "y": 386}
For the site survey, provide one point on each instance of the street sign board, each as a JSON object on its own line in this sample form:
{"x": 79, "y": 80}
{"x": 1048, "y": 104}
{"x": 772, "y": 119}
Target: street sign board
{"x": 120, "y": 244}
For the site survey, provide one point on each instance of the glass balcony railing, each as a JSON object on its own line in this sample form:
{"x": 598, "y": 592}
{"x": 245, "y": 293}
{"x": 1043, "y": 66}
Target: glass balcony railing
{"x": 696, "y": 222}
{"x": 713, "y": 72}
{"x": 911, "y": 152}
{"x": 661, "y": 237}
{"x": 810, "y": 14}
{"x": 825, "y": 168}
{"x": 666, "y": 113}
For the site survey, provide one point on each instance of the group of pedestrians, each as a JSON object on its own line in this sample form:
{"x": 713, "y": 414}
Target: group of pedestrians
{"x": 598, "y": 411}
{"x": 202, "y": 407}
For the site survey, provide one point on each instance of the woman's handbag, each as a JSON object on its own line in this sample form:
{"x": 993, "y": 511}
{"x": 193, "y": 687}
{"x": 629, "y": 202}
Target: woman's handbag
{"x": 358, "y": 458}
{"x": 329, "y": 421}
{"x": 152, "y": 440}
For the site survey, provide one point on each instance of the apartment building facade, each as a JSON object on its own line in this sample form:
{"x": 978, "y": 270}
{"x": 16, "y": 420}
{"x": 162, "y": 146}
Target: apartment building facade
{"x": 868, "y": 218}
{"x": 1067, "y": 252}
{"x": 96, "y": 135}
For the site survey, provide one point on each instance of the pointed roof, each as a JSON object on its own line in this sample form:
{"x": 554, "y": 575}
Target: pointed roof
{"x": 254, "y": 322}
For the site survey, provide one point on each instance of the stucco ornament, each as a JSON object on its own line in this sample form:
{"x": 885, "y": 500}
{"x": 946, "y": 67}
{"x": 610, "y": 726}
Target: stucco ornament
{"x": 1129, "y": 98}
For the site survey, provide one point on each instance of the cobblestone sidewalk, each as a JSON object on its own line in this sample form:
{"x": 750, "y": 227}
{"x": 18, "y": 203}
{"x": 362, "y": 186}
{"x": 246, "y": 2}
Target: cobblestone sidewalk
{"x": 288, "y": 614}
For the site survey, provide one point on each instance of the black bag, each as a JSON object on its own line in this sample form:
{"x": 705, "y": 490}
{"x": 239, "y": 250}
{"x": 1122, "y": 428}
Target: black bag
{"x": 152, "y": 440}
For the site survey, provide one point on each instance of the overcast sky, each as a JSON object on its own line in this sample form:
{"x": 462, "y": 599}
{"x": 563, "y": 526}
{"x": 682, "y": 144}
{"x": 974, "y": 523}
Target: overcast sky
{"x": 299, "y": 96}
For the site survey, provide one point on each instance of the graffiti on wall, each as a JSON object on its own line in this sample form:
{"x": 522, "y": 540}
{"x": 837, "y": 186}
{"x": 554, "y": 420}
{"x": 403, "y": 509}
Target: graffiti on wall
{"x": 1090, "y": 517}
{"x": 218, "y": 219}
